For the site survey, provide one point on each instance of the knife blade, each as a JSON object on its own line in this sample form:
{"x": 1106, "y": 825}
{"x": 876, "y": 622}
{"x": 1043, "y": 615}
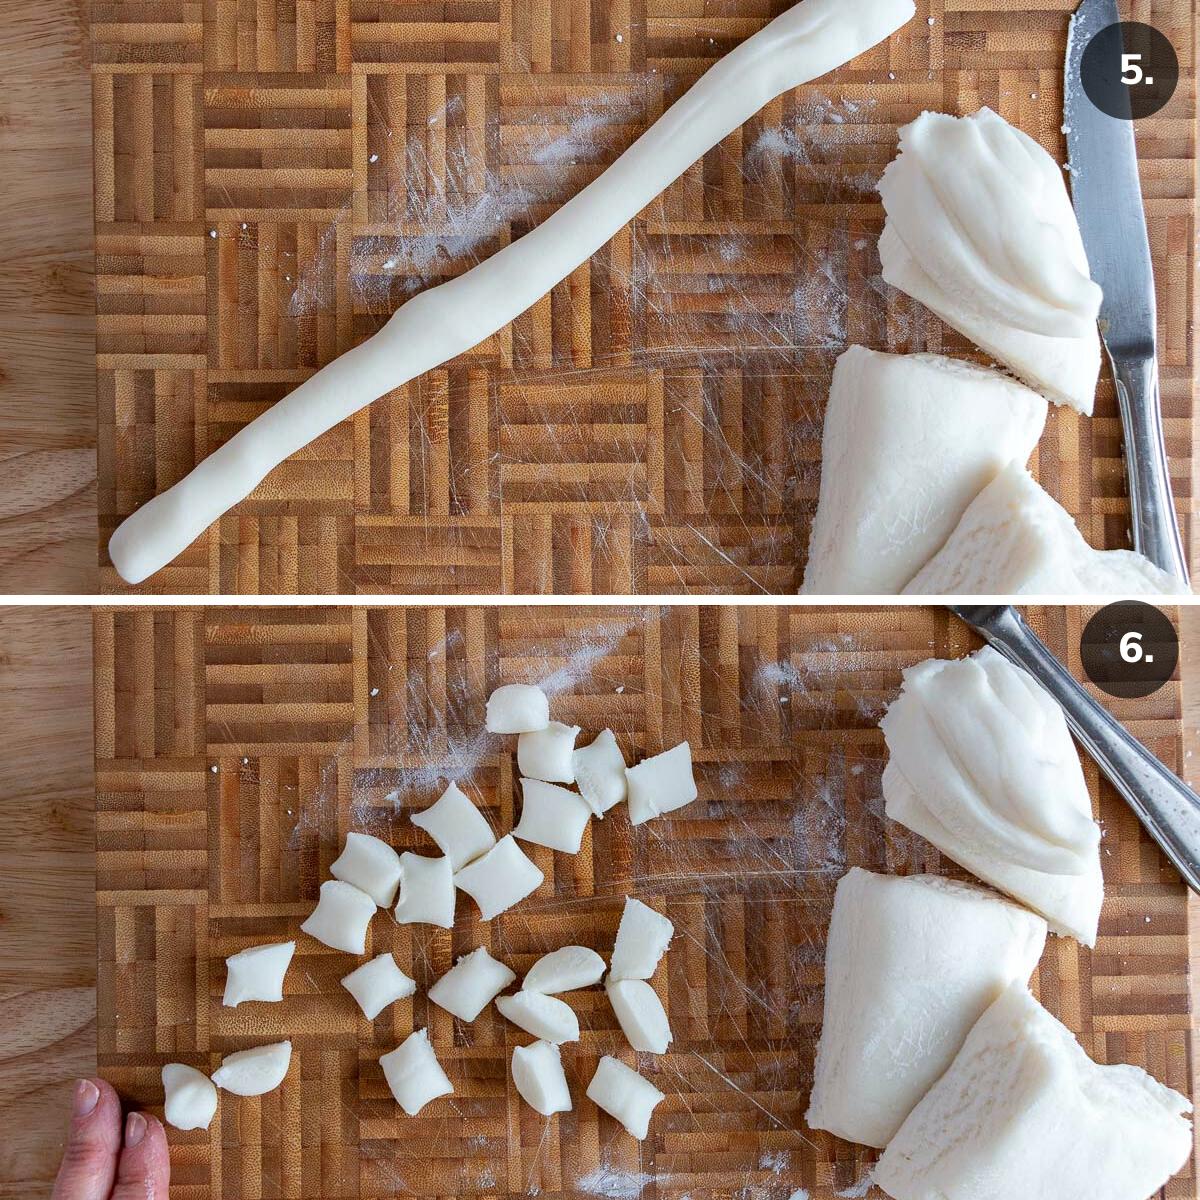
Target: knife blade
{"x": 1106, "y": 192}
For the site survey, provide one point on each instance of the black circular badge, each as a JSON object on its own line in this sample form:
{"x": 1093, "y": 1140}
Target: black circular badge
{"x": 1129, "y": 70}
{"x": 1129, "y": 649}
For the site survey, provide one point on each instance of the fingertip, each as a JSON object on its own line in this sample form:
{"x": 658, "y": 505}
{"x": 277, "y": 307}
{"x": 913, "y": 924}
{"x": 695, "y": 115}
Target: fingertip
{"x": 144, "y": 1168}
{"x": 93, "y": 1140}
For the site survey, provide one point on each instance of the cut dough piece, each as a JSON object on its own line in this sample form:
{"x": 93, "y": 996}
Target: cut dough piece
{"x": 910, "y": 965}
{"x": 256, "y": 1071}
{"x": 910, "y": 440}
{"x": 1015, "y": 540}
{"x": 982, "y": 765}
{"x": 564, "y": 970}
{"x": 371, "y": 865}
{"x": 377, "y": 984}
{"x": 471, "y": 984}
{"x": 1023, "y": 1112}
{"x": 504, "y": 876}
{"x": 600, "y": 772}
{"x": 517, "y": 708}
{"x": 257, "y": 973}
{"x": 546, "y": 754}
{"x": 426, "y": 891}
{"x": 414, "y": 1074}
{"x": 459, "y": 828}
{"x": 660, "y": 784}
{"x": 641, "y": 1015}
{"x": 341, "y": 917}
{"x": 624, "y": 1094}
{"x": 552, "y": 816}
{"x": 539, "y": 1078}
{"x": 642, "y": 939}
{"x": 981, "y": 230}
{"x": 191, "y": 1097}
{"x": 546, "y": 1017}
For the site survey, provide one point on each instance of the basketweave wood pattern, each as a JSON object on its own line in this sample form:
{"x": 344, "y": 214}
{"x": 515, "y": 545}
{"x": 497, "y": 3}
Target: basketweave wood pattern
{"x": 235, "y": 749}
{"x": 273, "y": 180}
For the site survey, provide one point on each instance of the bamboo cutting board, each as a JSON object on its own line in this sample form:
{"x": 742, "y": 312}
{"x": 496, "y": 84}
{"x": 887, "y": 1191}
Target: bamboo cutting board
{"x": 273, "y": 180}
{"x": 235, "y": 748}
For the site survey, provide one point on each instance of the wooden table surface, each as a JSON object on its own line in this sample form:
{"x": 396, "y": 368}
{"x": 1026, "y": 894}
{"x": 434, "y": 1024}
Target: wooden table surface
{"x": 47, "y": 936}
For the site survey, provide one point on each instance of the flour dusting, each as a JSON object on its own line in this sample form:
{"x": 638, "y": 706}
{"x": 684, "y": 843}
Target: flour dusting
{"x": 614, "y": 1184}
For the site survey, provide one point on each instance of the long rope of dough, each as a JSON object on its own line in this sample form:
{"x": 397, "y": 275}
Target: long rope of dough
{"x": 805, "y": 42}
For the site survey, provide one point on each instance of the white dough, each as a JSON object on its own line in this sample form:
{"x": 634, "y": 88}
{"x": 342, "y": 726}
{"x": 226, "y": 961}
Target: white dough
{"x": 191, "y": 1097}
{"x": 377, "y": 984}
{"x": 371, "y": 865}
{"x": 1024, "y": 1113}
{"x": 341, "y": 917}
{"x": 660, "y": 784}
{"x": 257, "y": 973}
{"x": 256, "y": 1071}
{"x": 1015, "y": 540}
{"x": 910, "y": 440}
{"x": 552, "y": 816}
{"x": 564, "y": 970}
{"x": 471, "y": 984}
{"x": 981, "y": 230}
{"x": 504, "y": 876}
{"x": 642, "y": 939}
{"x": 459, "y": 828}
{"x": 983, "y": 766}
{"x": 641, "y": 1015}
{"x": 539, "y": 1078}
{"x": 547, "y": 753}
{"x": 809, "y": 40}
{"x": 546, "y": 1017}
{"x": 426, "y": 891}
{"x": 910, "y": 965}
{"x": 624, "y": 1094}
{"x": 414, "y": 1074}
{"x": 600, "y": 772}
{"x": 517, "y": 708}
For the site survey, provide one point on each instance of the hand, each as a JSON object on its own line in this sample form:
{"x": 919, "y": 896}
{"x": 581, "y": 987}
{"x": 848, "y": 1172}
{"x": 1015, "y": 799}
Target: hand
{"x": 107, "y": 1159}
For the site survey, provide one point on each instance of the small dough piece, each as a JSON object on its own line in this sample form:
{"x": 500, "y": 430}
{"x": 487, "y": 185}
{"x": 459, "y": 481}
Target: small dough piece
{"x": 414, "y": 1073}
{"x": 624, "y": 1094}
{"x": 191, "y": 1097}
{"x": 371, "y": 865}
{"x": 600, "y": 772}
{"x": 910, "y": 965}
{"x": 341, "y": 917}
{"x": 539, "y": 1078}
{"x": 1023, "y": 1112}
{"x": 546, "y": 754}
{"x": 426, "y": 891}
{"x": 552, "y": 816}
{"x": 641, "y": 1014}
{"x": 564, "y": 970}
{"x": 377, "y": 984}
{"x": 910, "y": 440}
{"x": 982, "y": 765}
{"x": 504, "y": 876}
{"x": 1014, "y": 539}
{"x": 257, "y": 973}
{"x": 517, "y": 708}
{"x": 471, "y": 984}
{"x": 661, "y": 784}
{"x": 642, "y": 939}
{"x": 256, "y": 1071}
{"x": 546, "y": 1017}
{"x": 459, "y": 828}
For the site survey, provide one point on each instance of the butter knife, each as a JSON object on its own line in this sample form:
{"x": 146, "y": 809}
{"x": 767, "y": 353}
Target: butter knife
{"x": 1166, "y": 806}
{"x": 1108, "y": 204}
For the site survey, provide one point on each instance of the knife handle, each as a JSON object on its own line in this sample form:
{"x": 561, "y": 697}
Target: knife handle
{"x": 1166, "y": 806}
{"x": 1155, "y": 528}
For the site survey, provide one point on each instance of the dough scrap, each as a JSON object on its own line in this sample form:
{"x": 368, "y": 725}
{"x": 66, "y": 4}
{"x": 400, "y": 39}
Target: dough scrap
{"x": 600, "y": 772}
{"x": 517, "y": 708}
{"x": 426, "y": 891}
{"x": 461, "y": 831}
{"x": 552, "y": 816}
{"x": 661, "y": 784}
{"x": 504, "y": 876}
{"x": 547, "y": 754}
{"x": 190, "y": 1097}
{"x": 539, "y": 1078}
{"x": 341, "y": 917}
{"x": 371, "y": 865}
{"x": 641, "y": 1015}
{"x": 624, "y": 1094}
{"x": 377, "y": 984}
{"x": 256, "y": 1071}
{"x": 642, "y": 939}
{"x": 471, "y": 984}
{"x": 564, "y": 970}
{"x": 546, "y": 1017}
{"x": 256, "y": 973}
{"x": 414, "y": 1074}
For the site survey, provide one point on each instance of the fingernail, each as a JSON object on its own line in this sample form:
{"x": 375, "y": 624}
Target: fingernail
{"x": 135, "y": 1129}
{"x": 87, "y": 1096}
